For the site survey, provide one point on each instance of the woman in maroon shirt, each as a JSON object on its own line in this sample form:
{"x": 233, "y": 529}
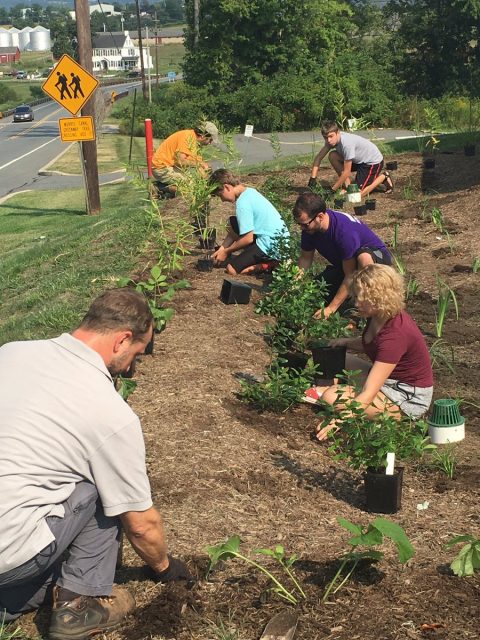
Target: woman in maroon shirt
{"x": 400, "y": 379}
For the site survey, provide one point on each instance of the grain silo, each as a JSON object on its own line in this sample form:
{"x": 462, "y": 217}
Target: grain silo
{"x": 24, "y": 38}
{"x": 40, "y": 39}
{"x": 5, "y": 38}
{"x": 14, "y": 36}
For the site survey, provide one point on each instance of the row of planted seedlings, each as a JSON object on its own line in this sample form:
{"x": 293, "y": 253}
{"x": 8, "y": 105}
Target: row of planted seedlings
{"x": 365, "y": 546}
{"x": 300, "y": 354}
{"x": 171, "y": 239}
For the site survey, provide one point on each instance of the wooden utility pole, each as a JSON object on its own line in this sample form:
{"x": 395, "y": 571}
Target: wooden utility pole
{"x": 196, "y": 21}
{"x": 156, "y": 49}
{"x": 89, "y": 149}
{"x": 140, "y": 46}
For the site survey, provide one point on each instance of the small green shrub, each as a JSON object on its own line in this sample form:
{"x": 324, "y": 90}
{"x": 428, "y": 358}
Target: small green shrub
{"x": 281, "y": 388}
{"x": 371, "y": 537}
{"x": 468, "y": 559}
{"x": 363, "y": 442}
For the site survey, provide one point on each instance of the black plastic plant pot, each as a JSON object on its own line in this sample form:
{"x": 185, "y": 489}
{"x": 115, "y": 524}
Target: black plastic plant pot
{"x": 383, "y": 493}
{"x": 293, "y": 360}
{"x": 469, "y": 149}
{"x": 429, "y": 163}
{"x": 205, "y": 264}
{"x": 149, "y": 347}
{"x": 130, "y": 372}
{"x": 235, "y": 292}
{"x": 392, "y": 165}
{"x": 371, "y": 204}
{"x": 329, "y": 360}
{"x": 208, "y": 238}
{"x": 338, "y": 203}
{"x": 206, "y": 243}
{"x": 361, "y": 210}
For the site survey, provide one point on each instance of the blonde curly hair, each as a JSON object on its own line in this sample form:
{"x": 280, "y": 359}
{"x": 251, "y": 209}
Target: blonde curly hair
{"x": 382, "y": 287}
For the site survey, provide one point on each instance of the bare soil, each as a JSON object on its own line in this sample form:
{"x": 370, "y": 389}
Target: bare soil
{"x": 218, "y": 467}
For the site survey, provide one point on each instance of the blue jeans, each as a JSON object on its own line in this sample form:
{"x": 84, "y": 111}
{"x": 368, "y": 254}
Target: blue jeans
{"x": 91, "y": 541}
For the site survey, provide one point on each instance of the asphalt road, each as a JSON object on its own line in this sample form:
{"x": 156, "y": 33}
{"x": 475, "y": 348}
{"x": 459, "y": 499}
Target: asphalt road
{"x": 27, "y": 147}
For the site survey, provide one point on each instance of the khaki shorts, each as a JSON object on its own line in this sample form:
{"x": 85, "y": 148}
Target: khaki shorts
{"x": 168, "y": 175}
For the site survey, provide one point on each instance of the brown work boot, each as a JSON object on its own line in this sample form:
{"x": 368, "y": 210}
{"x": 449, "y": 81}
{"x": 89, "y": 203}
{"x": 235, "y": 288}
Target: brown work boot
{"x": 87, "y": 615}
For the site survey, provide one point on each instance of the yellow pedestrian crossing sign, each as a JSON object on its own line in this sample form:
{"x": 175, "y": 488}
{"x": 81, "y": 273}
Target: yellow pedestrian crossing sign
{"x": 70, "y": 84}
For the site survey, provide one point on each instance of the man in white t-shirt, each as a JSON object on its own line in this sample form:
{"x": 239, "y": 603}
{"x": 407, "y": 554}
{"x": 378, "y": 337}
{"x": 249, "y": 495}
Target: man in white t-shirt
{"x": 73, "y": 473}
{"x": 349, "y": 153}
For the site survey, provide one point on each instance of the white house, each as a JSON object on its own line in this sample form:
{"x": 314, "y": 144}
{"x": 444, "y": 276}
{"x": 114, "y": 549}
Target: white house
{"x": 117, "y": 52}
{"x": 106, "y": 9}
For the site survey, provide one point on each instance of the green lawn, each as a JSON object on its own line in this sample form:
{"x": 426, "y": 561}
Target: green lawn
{"x": 170, "y": 57}
{"x": 55, "y": 259}
{"x": 21, "y": 92}
{"x": 112, "y": 154}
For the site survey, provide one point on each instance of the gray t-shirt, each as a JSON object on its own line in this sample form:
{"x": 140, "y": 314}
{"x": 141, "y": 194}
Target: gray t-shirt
{"x": 357, "y": 149}
{"x": 61, "y": 422}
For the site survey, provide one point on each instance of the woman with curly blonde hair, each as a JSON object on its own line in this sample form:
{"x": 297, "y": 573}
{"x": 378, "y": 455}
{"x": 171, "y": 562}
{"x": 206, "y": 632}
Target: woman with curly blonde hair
{"x": 400, "y": 378}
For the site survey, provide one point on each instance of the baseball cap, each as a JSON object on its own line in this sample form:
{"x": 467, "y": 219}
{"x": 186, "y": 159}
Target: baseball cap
{"x": 210, "y": 129}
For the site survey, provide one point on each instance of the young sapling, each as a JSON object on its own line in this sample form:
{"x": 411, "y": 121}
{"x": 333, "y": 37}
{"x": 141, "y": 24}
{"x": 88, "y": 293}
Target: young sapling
{"x": 231, "y": 549}
{"x": 468, "y": 559}
{"x": 371, "y": 537}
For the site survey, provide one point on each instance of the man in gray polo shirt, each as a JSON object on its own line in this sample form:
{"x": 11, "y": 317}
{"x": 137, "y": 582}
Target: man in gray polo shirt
{"x": 348, "y": 152}
{"x": 72, "y": 472}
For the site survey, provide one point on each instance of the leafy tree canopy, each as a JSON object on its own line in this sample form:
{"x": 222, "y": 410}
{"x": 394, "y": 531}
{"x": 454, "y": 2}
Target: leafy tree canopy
{"x": 437, "y": 44}
{"x": 247, "y": 40}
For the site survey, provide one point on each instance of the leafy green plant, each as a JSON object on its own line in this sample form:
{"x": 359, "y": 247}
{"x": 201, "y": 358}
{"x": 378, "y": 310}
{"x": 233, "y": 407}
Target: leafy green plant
{"x": 409, "y": 191}
{"x": 468, "y": 559}
{"x": 364, "y": 442}
{"x": 195, "y": 189}
{"x": 158, "y": 292}
{"x": 293, "y": 295}
{"x": 371, "y": 537}
{"x": 319, "y": 332}
{"x": 125, "y": 386}
{"x": 476, "y": 265}
{"x": 445, "y": 460}
{"x": 436, "y": 217}
{"x": 446, "y": 295}
{"x": 275, "y": 144}
{"x": 412, "y": 288}
{"x": 281, "y": 387}
{"x": 231, "y": 549}
{"x": 442, "y": 355}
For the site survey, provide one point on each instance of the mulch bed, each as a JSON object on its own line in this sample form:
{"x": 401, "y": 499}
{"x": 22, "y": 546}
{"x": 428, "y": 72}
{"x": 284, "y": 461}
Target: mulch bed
{"x": 218, "y": 467}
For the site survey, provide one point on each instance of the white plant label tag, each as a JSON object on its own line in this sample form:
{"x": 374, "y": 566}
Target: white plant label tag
{"x": 390, "y": 464}
{"x": 248, "y": 130}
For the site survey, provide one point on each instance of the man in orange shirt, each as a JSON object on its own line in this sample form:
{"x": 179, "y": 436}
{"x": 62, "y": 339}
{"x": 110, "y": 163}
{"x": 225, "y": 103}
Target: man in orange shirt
{"x": 181, "y": 150}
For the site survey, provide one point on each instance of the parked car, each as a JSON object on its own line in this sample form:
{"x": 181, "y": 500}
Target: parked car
{"x": 21, "y": 75}
{"x": 23, "y": 113}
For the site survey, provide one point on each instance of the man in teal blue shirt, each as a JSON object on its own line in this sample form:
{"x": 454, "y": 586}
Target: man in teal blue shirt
{"x": 252, "y": 230}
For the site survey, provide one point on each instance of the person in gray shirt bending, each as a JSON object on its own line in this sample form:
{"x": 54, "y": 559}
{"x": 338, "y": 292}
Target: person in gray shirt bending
{"x": 347, "y": 153}
{"x": 73, "y": 472}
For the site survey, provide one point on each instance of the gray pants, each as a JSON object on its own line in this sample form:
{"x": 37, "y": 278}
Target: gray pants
{"x": 91, "y": 541}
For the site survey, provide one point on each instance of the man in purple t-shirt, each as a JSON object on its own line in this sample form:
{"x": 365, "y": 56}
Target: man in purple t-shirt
{"x": 340, "y": 238}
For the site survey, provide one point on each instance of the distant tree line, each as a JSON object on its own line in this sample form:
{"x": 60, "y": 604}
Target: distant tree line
{"x": 287, "y": 64}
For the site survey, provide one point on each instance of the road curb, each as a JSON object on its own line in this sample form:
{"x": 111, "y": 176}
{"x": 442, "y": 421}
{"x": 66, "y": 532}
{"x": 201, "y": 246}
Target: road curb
{"x": 43, "y": 171}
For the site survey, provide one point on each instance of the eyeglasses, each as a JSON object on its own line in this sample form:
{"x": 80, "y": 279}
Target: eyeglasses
{"x": 305, "y": 225}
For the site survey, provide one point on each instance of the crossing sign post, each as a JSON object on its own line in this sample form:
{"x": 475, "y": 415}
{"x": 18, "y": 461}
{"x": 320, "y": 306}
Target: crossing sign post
{"x": 70, "y": 85}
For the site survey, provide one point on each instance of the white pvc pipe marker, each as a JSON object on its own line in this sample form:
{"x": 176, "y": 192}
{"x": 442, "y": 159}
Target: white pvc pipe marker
{"x": 390, "y": 464}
